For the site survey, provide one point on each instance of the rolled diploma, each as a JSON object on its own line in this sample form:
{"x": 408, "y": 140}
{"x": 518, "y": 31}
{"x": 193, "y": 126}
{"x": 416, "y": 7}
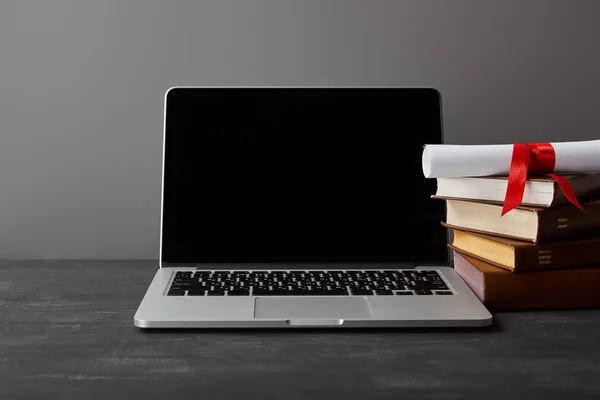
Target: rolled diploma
{"x": 446, "y": 161}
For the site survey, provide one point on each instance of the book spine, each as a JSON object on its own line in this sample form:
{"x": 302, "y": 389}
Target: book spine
{"x": 557, "y": 255}
{"x": 568, "y": 222}
{"x": 586, "y": 187}
{"x": 560, "y": 289}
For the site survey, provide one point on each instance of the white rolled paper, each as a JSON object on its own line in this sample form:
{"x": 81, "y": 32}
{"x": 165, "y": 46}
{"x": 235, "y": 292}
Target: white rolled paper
{"x": 448, "y": 161}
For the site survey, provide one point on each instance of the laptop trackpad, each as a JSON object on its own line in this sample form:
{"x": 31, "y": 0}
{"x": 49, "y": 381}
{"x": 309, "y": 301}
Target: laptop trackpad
{"x": 312, "y": 307}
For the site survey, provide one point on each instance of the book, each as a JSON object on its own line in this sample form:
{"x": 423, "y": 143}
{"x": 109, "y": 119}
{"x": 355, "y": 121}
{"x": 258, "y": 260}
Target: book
{"x": 502, "y": 290}
{"x": 535, "y": 224}
{"x": 540, "y": 191}
{"x": 519, "y": 256}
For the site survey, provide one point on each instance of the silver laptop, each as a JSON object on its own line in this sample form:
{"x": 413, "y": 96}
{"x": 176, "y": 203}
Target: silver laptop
{"x": 298, "y": 207}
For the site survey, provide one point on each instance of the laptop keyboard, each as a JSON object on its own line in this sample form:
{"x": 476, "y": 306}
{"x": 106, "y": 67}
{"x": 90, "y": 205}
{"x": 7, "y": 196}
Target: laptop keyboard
{"x": 308, "y": 283}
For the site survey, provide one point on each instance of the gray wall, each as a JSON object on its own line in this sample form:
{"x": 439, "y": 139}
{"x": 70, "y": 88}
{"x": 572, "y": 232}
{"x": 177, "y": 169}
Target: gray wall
{"x": 82, "y": 84}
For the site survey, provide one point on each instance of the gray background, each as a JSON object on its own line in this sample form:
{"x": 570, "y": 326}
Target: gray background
{"x": 82, "y": 84}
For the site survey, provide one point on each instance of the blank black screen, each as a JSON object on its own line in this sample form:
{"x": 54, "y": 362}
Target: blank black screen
{"x": 300, "y": 175}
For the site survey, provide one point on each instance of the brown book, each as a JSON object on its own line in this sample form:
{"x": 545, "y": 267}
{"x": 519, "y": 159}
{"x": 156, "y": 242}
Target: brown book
{"x": 518, "y": 256}
{"x": 502, "y": 290}
{"x": 534, "y": 224}
{"x": 540, "y": 191}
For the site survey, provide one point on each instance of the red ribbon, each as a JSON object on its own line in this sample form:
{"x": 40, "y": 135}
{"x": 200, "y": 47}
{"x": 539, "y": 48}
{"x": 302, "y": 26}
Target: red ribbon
{"x": 533, "y": 159}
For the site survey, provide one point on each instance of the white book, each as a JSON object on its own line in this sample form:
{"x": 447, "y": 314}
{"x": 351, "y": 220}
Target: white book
{"x": 540, "y": 191}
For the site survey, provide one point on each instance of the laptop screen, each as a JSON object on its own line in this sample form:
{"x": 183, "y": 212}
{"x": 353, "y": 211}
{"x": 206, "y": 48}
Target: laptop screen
{"x": 300, "y": 175}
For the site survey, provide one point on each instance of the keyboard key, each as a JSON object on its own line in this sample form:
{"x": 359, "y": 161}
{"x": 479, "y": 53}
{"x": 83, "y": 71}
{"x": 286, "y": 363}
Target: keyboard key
{"x": 361, "y": 292}
{"x": 239, "y": 292}
{"x": 404, "y": 293}
{"x": 423, "y": 292}
{"x": 176, "y": 292}
{"x": 444, "y": 292}
{"x": 383, "y": 292}
{"x": 261, "y": 291}
{"x": 332, "y": 292}
{"x": 196, "y": 292}
{"x": 216, "y": 292}
{"x": 301, "y": 292}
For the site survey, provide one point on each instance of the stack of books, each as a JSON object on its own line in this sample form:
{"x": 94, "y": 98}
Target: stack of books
{"x": 545, "y": 254}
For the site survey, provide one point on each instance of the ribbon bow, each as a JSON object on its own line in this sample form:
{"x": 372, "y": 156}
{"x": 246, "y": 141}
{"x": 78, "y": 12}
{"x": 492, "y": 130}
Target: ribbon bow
{"x": 533, "y": 159}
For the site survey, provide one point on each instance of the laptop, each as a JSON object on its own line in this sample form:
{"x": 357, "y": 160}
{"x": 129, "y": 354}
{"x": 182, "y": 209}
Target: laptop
{"x": 300, "y": 207}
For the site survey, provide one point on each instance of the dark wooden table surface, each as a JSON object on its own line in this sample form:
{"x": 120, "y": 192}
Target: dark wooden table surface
{"x": 66, "y": 332}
